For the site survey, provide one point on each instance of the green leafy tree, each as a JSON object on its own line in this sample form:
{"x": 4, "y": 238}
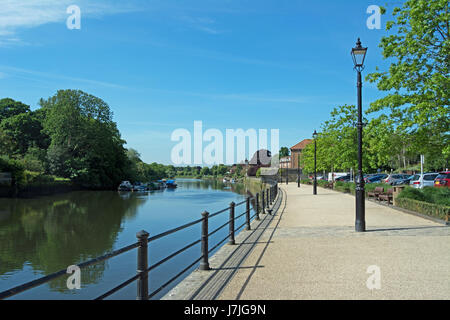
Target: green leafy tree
{"x": 10, "y": 108}
{"x": 85, "y": 143}
{"x": 284, "y": 152}
{"x": 417, "y": 82}
{"x": 205, "y": 171}
{"x": 23, "y": 131}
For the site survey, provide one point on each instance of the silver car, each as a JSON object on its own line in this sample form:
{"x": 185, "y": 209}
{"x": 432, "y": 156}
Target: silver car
{"x": 425, "y": 180}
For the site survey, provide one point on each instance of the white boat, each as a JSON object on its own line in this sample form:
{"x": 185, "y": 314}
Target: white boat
{"x": 125, "y": 186}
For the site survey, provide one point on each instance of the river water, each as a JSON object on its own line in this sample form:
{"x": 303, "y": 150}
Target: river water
{"x": 43, "y": 235}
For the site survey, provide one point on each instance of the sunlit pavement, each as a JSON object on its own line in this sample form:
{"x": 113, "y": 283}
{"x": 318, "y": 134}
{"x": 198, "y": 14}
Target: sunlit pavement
{"x": 311, "y": 251}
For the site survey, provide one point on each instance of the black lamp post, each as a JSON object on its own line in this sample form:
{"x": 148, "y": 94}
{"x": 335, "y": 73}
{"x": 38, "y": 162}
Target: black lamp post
{"x": 287, "y": 172}
{"x": 359, "y": 55}
{"x": 315, "y": 163}
{"x": 280, "y": 163}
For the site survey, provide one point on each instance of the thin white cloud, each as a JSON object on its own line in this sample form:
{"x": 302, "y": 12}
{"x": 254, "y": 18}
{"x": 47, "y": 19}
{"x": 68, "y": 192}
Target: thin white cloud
{"x": 12, "y": 71}
{"x": 21, "y": 14}
{"x": 241, "y": 96}
{"x": 204, "y": 24}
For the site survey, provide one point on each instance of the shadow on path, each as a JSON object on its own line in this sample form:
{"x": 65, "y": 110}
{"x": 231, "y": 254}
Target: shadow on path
{"x": 263, "y": 252}
{"x": 215, "y": 284}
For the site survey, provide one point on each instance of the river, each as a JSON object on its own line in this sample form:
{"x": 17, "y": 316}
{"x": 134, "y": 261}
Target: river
{"x": 43, "y": 235}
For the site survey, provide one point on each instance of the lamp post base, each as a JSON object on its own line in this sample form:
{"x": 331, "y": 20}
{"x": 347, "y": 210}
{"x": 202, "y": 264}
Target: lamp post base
{"x": 360, "y": 226}
{"x": 360, "y": 222}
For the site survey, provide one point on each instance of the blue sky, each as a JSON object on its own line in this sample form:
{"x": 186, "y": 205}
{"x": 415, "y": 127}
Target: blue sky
{"x": 161, "y": 65}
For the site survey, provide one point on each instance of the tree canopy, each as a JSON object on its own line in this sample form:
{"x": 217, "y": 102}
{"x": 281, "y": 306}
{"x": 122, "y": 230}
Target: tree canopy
{"x": 417, "y": 82}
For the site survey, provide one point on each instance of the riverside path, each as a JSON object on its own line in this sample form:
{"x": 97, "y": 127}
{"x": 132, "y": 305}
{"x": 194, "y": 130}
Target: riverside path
{"x": 311, "y": 251}
{"x": 308, "y": 249}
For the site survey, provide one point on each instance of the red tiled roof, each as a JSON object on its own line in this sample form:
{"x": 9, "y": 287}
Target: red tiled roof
{"x": 301, "y": 145}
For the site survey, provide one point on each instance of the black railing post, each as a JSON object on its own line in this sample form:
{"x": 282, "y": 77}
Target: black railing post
{"x": 247, "y": 214}
{"x": 267, "y": 198}
{"x": 272, "y": 193}
{"x": 257, "y": 207}
{"x": 263, "y": 202}
{"x": 232, "y": 241}
{"x": 204, "y": 265}
{"x": 142, "y": 265}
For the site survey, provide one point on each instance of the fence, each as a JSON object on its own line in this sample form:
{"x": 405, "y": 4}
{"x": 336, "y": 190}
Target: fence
{"x": 262, "y": 205}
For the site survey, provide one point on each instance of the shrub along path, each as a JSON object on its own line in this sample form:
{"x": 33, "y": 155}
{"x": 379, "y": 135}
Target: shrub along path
{"x": 311, "y": 251}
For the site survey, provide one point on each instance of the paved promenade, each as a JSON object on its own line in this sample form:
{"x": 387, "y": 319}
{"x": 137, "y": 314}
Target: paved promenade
{"x": 309, "y": 250}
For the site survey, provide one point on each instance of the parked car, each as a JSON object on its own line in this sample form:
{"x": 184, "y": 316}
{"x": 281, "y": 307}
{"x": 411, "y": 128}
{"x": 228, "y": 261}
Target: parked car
{"x": 404, "y": 181}
{"x": 393, "y": 178}
{"x": 426, "y": 180}
{"x": 376, "y": 178}
{"x": 336, "y": 175}
{"x": 442, "y": 180}
{"x": 343, "y": 178}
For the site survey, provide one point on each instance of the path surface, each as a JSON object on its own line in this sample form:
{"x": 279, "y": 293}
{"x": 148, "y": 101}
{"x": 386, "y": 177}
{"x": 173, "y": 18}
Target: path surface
{"x": 310, "y": 250}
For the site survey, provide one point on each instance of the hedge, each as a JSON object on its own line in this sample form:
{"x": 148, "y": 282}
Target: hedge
{"x": 430, "y": 209}
{"x": 440, "y": 196}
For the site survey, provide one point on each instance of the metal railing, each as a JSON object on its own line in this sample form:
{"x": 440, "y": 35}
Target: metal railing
{"x": 262, "y": 205}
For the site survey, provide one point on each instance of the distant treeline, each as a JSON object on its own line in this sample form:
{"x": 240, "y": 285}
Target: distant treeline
{"x": 72, "y": 136}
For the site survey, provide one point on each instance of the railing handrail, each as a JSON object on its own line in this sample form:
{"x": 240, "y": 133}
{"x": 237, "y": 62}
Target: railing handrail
{"x": 37, "y": 282}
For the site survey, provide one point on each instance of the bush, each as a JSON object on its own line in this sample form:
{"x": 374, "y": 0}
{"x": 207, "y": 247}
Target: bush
{"x": 14, "y": 167}
{"x": 430, "y": 209}
{"x": 343, "y": 186}
{"x": 322, "y": 183}
{"x": 412, "y": 193}
{"x": 439, "y": 196}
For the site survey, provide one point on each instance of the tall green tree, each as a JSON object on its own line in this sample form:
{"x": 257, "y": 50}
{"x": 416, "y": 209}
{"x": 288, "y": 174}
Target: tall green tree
{"x": 85, "y": 143}
{"x": 10, "y": 108}
{"x": 284, "y": 152}
{"x": 417, "y": 84}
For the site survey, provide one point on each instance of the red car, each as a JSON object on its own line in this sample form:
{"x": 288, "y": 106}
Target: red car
{"x": 443, "y": 179}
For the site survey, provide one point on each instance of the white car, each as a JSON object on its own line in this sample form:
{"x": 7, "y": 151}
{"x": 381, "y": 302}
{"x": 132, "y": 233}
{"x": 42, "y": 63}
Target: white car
{"x": 334, "y": 176}
{"x": 425, "y": 180}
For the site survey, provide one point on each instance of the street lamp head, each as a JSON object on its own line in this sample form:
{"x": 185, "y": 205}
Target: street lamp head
{"x": 359, "y": 55}
{"x": 315, "y": 134}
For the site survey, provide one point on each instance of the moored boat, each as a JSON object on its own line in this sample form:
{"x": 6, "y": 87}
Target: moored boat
{"x": 125, "y": 186}
{"x": 171, "y": 184}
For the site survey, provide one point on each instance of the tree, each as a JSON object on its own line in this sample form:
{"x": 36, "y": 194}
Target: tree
{"x": 417, "y": 82}
{"x": 10, "y": 108}
{"x": 20, "y": 129}
{"x": 205, "y": 171}
{"x": 85, "y": 143}
{"x": 284, "y": 152}
{"x": 23, "y": 131}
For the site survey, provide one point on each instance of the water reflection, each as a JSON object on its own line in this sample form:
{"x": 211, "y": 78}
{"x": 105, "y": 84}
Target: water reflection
{"x": 52, "y": 233}
{"x": 46, "y": 234}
